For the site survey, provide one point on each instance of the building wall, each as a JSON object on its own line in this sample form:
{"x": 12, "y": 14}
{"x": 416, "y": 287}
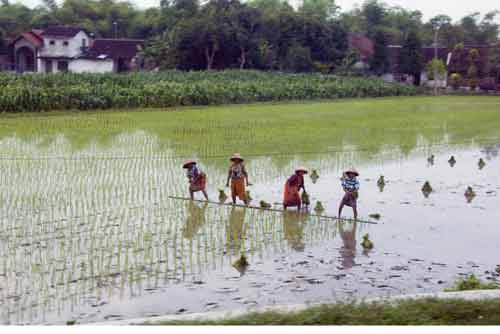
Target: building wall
{"x": 24, "y": 43}
{"x": 73, "y": 48}
{"x": 91, "y": 66}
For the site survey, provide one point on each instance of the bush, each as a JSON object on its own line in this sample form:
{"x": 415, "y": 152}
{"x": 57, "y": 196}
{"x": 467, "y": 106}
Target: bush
{"x": 472, "y": 283}
{"x": 455, "y": 80}
{"x": 63, "y": 91}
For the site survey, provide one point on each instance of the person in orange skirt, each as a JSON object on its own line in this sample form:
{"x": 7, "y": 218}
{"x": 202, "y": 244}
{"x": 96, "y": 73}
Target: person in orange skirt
{"x": 197, "y": 178}
{"x": 291, "y": 195}
{"x": 238, "y": 176}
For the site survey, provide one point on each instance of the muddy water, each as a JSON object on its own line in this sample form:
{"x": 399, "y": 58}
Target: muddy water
{"x": 92, "y": 235}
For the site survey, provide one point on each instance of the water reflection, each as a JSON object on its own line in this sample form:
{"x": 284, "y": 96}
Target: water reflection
{"x": 293, "y": 227}
{"x": 196, "y": 218}
{"x": 348, "y": 249}
{"x": 236, "y": 232}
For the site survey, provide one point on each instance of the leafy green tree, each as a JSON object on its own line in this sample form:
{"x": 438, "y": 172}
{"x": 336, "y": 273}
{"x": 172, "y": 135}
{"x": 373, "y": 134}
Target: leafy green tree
{"x": 319, "y": 9}
{"x": 298, "y": 59}
{"x": 380, "y": 62}
{"x": 411, "y": 56}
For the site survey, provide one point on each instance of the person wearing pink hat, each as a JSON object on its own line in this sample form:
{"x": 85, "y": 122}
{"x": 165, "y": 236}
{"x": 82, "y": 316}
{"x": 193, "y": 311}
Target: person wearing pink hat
{"x": 197, "y": 178}
{"x": 291, "y": 194}
{"x": 350, "y": 185}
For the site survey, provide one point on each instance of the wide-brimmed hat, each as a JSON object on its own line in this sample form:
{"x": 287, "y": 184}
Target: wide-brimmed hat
{"x": 301, "y": 169}
{"x": 237, "y": 156}
{"x": 352, "y": 171}
{"x": 189, "y": 163}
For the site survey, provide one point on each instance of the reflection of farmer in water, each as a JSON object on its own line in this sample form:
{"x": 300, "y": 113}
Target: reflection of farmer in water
{"x": 348, "y": 249}
{"x": 293, "y": 227}
{"x": 236, "y": 230}
{"x": 195, "y": 219}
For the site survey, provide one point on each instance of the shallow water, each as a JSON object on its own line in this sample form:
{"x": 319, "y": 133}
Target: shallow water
{"x": 88, "y": 231}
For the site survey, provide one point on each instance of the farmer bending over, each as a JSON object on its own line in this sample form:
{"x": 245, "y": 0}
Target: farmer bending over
{"x": 351, "y": 186}
{"x": 291, "y": 196}
{"x": 197, "y": 179}
{"x": 238, "y": 176}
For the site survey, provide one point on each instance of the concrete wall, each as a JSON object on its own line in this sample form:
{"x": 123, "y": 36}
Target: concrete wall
{"x": 60, "y": 50}
{"x": 91, "y": 66}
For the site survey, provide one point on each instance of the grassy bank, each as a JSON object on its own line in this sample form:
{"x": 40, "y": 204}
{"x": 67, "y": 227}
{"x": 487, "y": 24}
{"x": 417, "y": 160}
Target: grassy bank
{"x": 168, "y": 89}
{"x": 416, "y": 312}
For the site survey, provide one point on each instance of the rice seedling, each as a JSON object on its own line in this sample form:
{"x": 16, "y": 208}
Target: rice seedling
{"x": 481, "y": 164}
{"x": 381, "y": 183}
{"x": 367, "y": 243}
{"x": 469, "y": 194}
{"x": 265, "y": 205}
{"x": 427, "y": 189}
{"x": 430, "y": 160}
{"x": 319, "y": 209}
{"x": 314, "y": 176}
{"x": 375, "y": 216}
{"x": 452, "y": 161}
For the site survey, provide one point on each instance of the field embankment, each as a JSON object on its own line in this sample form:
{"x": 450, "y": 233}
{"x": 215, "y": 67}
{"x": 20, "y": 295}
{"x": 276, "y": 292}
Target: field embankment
{"x": 168, "y": 89}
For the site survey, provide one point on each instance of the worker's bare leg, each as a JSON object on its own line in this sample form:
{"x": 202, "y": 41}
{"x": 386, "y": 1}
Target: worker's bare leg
{"x": 191, "y": 194}
{"x": 340, "y": 209}
{"x": 205, "y": 194}
{"x": 355, "y": 210}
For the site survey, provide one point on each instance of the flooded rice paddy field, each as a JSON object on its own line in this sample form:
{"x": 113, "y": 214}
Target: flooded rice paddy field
{"x": 88, "y": 231}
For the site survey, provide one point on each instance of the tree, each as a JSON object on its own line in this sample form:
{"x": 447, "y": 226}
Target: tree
{"x": 245, "y": 22}
{"x": 380, "y": 63}
{"x": 411, "y": 56}
{"x": 319, "y": 9}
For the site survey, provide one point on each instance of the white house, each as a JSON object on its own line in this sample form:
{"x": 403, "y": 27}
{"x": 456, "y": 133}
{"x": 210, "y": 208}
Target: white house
{"x": 72, "y": 49}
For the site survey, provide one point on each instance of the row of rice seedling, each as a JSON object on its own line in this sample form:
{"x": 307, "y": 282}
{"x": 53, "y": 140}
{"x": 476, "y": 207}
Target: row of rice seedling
{"x": 168, "y": 89}
{"x": 79, "y": 228}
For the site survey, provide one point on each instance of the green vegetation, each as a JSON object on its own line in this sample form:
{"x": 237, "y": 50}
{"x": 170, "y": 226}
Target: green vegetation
{"x": 168, "y": 89}
{"x": 473, "y": 283}
{"x": 413, "y": 312}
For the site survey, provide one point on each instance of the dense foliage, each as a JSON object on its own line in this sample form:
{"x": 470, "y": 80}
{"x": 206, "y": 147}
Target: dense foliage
{"x": 257, "y": 34}
{"x": 167, "y": 89}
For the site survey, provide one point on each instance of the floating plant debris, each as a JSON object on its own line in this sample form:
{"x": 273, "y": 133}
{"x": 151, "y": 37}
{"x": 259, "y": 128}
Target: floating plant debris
{"x": 367, "y": 243}
{"x": 376, "y": 216}
{"x": 248, "y": 196}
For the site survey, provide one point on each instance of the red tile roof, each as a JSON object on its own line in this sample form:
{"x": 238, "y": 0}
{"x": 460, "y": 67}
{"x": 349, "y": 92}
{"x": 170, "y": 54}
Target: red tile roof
{"x": 31, "y": 37}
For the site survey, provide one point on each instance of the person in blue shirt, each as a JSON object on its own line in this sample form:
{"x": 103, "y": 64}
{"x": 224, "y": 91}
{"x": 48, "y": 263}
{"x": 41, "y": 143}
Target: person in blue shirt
{"x": 351, "y": 186}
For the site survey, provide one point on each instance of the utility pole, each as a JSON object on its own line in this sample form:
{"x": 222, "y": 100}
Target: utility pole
{"x": 115, "y": 29}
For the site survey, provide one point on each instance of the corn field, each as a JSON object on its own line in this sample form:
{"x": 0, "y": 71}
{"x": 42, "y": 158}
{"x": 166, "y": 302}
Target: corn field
{"x": 32, "y": 93}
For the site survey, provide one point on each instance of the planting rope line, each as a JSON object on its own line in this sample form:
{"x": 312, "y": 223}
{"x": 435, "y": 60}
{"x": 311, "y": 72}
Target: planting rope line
{"x": 224, "y": 156}
{"x": 272, "y": 210}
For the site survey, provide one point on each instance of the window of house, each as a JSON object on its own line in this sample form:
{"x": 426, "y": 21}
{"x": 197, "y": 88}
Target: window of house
{"x": 65, "y": 43}
{"x": 62, "y": 66}
{"x": 52, "y": 42}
